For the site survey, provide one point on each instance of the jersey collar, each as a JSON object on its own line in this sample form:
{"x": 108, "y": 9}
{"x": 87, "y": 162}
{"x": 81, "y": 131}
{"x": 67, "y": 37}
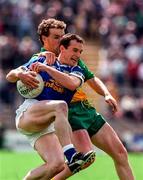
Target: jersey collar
{"x": 43, "y": 49}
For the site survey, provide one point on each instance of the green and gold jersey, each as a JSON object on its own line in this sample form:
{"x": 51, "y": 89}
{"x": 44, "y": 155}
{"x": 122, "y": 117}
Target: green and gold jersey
{"x": 80, "y": 95}
{"x": 88, "y": 74}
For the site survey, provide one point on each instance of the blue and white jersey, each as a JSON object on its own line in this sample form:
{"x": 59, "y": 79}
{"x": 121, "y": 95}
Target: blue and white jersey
{"x": 52, "y": 89}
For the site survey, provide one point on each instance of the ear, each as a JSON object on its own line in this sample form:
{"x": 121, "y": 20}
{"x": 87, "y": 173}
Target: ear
{"x": 44, "y": 38}
{"x": 62, "y": 48}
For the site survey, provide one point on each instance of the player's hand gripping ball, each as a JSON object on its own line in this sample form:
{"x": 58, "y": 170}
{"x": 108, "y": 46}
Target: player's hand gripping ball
{"x": 27, "y": 92}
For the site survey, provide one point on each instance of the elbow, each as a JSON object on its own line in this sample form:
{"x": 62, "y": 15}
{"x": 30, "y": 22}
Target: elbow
{"x": 73, "y": 86}
{"x": 7, "y": 77}
{"x": 10, "y": 79}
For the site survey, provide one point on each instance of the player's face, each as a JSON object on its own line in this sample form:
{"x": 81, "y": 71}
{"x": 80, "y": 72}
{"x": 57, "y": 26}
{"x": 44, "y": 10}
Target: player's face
{"x": 72, "y": 53}
{"x": 51, "y": 42}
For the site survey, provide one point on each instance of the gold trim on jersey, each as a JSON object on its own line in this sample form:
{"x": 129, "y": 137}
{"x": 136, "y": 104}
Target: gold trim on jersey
{"x": 79, "y": 96}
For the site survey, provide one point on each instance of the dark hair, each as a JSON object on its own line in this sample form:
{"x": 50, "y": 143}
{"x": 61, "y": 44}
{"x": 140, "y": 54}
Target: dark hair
{"x": 46, "y": 24}
{"x": 66, "y": 39}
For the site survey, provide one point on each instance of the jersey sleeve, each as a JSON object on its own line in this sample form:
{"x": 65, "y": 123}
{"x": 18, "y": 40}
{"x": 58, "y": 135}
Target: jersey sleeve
{"x": 88, "y": 74}
{"x": 78, "y": 72}
{"x": 33, "y": 60}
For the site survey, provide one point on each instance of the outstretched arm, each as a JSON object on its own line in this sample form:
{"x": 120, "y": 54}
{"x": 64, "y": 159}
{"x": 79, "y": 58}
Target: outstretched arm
{"x": 97, "y": 85}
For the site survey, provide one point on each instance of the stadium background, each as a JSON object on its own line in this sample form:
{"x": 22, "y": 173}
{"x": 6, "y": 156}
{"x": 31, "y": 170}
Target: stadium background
{"x": 113, "y": 30}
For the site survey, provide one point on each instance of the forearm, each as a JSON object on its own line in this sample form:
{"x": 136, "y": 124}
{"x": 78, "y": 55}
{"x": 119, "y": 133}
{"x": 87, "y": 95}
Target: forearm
{"x": 13, "y": 75}
{"x": 97, "y": 85}
{"x": 101, "y": 89}
{"x": 70, "y": 82}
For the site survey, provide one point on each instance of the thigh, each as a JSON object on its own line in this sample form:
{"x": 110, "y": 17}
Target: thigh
{"x": 49, "y": 148}
{"x": 107, "y": 140}
{"x": 32, "y": 137}
{"x": 42, "y": 108}
{"x": 81, "y": 116}
{"x": 38, "y": 116}
{"x": 84, "y": 116}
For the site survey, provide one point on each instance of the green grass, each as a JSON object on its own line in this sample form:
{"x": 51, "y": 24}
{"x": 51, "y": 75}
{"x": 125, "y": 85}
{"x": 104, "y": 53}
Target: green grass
{"x": 13, "y": 166}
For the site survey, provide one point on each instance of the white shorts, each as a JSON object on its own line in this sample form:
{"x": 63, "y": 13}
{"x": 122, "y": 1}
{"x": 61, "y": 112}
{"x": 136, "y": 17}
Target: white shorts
{"x": 32, "y": 137}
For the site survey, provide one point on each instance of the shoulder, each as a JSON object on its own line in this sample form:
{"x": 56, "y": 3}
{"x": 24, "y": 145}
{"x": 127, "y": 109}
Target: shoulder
{"x": 76, "y": 68}
{"x": 88, "y": 74}
{"x": 81, "y": 63}
{"x": 35, "y": 55}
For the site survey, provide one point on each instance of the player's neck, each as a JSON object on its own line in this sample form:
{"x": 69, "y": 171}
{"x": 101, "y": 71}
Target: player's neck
{"x": 61, "y": 59}
{"x": 48, "y": 48}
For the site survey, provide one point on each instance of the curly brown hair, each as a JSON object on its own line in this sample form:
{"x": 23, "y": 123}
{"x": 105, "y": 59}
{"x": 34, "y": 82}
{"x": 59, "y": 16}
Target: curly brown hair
{"x": 46, "y": 24}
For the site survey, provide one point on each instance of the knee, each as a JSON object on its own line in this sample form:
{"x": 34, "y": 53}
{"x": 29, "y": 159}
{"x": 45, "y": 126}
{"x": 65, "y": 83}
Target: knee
{"x": 56, "y": 167}
{"x": 62, "y": 107}
{"x": 121, "y": 156}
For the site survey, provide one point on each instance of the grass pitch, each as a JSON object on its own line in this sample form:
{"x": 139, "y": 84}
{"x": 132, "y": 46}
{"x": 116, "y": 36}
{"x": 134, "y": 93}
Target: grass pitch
{"x": 13, "y": 166}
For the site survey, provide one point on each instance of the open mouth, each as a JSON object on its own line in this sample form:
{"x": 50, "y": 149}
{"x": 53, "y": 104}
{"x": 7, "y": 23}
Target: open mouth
{"x": 75, "y": 59}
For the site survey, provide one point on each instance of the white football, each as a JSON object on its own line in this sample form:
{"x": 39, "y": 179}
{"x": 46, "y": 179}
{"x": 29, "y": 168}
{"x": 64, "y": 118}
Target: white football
{"x": 30, "y": 92}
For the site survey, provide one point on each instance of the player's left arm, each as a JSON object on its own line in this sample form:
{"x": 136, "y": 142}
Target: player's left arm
{"x": 50, "y": 57}
{"x": 70, "y": 81}
{"x": 97, "y": 85}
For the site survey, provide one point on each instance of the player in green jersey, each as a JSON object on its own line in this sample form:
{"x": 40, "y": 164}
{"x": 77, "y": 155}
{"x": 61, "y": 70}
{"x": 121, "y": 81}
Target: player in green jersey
{"x": 90, "y": 127}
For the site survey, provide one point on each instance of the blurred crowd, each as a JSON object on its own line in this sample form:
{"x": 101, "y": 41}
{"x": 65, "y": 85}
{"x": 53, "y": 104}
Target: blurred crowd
{"x": 117, "y": 25}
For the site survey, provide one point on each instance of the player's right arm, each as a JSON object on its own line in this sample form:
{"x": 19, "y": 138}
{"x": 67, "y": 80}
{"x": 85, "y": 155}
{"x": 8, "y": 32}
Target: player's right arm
{"x": 24, "y": 74}
{"x": 27, "y": 77}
